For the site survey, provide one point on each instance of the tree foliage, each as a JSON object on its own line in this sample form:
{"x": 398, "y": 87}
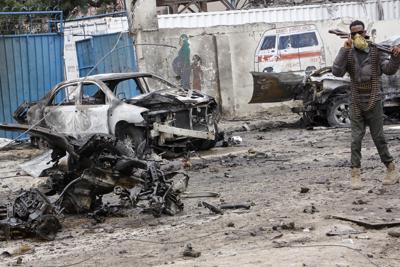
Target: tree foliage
{"x": 69, "y": 7}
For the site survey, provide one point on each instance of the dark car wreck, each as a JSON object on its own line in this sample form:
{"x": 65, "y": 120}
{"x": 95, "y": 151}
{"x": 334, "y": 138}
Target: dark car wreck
{"x": 98, "y": 164}
{"x": 140, "y": 107}
{"x": 325, "y": 98}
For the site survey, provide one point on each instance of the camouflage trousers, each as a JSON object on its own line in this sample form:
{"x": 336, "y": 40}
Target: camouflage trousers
{"x": 372, "y": 118}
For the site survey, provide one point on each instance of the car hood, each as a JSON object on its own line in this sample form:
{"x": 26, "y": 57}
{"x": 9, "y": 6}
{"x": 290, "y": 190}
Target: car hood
{"x": 174, "y": 97}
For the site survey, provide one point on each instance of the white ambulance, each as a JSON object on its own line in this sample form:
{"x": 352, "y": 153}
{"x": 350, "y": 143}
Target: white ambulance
{"x": 290, "y": 49}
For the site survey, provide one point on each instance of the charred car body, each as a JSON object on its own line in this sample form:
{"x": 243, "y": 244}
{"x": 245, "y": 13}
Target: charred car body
{"x": 325, "y": 98}
{"x": 98, "y": 164}
{"x": 140, "y": 107}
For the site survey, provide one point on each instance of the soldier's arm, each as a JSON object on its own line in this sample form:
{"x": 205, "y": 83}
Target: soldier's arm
{"x": 339, "y": 67}
{"x": 390, "y": 65}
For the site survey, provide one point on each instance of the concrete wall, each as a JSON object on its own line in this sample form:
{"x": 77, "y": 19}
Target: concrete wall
{"x": 227, "y": 55}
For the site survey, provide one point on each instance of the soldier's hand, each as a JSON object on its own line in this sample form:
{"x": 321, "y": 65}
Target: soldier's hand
{"x": 396, "y": 51}
{"x": 348, "y": 43}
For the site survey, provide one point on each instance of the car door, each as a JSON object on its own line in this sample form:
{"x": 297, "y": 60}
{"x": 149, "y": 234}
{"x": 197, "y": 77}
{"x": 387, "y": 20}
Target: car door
{"x": 60, "y": 111}
{"x": 92, "y": 109}
{"x": 266, "y": 54}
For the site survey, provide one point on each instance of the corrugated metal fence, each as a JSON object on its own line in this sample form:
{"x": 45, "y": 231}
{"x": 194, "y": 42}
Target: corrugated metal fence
{"x": 29, "y": 66}
{"x": 366, "y": 10}
{"x": 96, "y": 50}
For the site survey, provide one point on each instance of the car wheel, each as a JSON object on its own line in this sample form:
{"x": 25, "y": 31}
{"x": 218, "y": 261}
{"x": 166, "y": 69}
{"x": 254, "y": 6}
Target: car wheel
{"x": 338, "y": 113}
{"x": 207, "y": 144}
{"x": 135, "y": 136}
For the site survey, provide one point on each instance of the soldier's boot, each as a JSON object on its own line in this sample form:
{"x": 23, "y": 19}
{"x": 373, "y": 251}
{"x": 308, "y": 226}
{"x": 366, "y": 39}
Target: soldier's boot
{"x": 356, "y": 178}
{"x": 392, "y": 175}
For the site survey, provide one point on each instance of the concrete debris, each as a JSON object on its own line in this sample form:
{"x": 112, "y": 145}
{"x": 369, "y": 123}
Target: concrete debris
{"x": 199, "y": 194}
{"x": 4, "y": 142}
{"x": 304, "y": 190}
{"x": 339, "y": 230}
{"x": 360, "y": 202}
{"x": 284, "y": 226}
{"x": 394, "y": 233}
{"x": 366, "y": 224}
{"x": 212, "y": 208}
{"x": 218, "y": 209}
{"x": 235, "y": 206}
{"x": 35, "y": 166}
{"x": 310, "y": 209}
{"x": 190, "y": 252}
{"x": 246, "y": 127}
{"x": 235, "y": 140}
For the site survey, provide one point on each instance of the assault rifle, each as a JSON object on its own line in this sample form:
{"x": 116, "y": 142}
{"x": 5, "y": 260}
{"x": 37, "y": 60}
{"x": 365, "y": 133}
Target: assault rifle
{"x": 345, "y": 35}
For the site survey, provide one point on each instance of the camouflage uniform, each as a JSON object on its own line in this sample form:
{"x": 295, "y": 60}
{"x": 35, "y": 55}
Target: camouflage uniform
{"x": 365, "y": 69}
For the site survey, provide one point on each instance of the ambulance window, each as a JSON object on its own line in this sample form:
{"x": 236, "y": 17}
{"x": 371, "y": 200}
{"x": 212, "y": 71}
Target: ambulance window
{"x": 284, "y": 42}
{"x": 304, "y": 40}
{"x": 268, "y": 43}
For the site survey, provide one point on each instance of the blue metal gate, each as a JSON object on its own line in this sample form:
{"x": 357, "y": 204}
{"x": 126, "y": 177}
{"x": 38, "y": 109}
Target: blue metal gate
{"x": 30, "y": 64}
{"x": 108, "y": 53}
{"x": 96, "y": 50}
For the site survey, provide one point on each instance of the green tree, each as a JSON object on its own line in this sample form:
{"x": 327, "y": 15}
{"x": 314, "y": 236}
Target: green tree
{"x": 67, "y": 6}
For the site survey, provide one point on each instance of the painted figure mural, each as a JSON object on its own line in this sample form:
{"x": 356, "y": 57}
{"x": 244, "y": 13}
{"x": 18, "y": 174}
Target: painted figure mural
{"x": 197, "y": 72}
{"x": 181, "y": 64}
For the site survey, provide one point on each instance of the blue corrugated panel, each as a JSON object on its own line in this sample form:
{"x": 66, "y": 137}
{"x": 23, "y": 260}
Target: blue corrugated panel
{"x": 29, "y": 66}
{"x": 91, "y": 51}
{"x": 95, "y": 51}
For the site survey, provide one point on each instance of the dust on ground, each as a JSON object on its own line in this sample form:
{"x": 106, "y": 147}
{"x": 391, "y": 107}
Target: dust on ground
{"x": 292, "y": 178}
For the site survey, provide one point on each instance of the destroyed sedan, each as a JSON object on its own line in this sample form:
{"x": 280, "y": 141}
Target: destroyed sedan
{"x": 142, "y": 108}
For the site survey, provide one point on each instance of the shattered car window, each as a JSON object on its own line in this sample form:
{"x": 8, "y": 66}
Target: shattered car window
{"x": 65, "y": 95}
{"x": 92, "y": 95}
{"x": 155, "y": 84}
{"x": 127, "y": 89}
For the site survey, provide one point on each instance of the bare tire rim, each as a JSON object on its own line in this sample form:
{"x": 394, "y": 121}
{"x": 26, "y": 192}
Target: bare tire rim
{"x": 342, "y": 114}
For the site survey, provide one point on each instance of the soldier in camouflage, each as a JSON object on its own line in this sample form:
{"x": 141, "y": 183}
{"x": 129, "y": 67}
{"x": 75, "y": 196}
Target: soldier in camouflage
{"x": 365, "y": 65}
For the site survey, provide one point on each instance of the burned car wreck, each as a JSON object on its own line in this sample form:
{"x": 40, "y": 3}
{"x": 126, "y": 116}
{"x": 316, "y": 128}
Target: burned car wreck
{"x": 326, "y": 98}
{"x": 142, "y": 108}
{"x": 97, "y": 165}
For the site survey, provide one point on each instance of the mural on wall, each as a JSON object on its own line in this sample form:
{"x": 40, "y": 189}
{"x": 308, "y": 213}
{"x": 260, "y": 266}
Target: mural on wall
{"x": 181, "y": 63}
{"x": 295, "y": 48}
{"x": 197, "y": 73}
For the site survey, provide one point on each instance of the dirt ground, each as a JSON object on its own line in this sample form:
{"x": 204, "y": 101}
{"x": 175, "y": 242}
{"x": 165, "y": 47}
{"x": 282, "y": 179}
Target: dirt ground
{"x": 283, "y": 227}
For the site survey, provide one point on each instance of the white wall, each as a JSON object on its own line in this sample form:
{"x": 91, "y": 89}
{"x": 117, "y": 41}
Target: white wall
{"x": 232, "y": 83}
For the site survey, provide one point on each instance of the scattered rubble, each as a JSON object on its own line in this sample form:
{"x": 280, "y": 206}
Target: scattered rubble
{"x": 339, "y": 230}
{"x": 235, "y": 206}
{"x": 190, "y": 252}
{"x": 394, "y": 233}
{"x": 310, "y": 209}
{"x": 212, "y": 208}
{"x": 367, "y": 224}
{"x": 31, "y": 214}
{"x": 98, "y": 165}
{"x": 304, "y": 190}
